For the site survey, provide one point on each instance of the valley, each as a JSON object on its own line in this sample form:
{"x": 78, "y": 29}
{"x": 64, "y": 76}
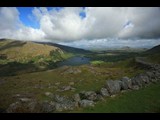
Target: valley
{"x": 39, "y": 73}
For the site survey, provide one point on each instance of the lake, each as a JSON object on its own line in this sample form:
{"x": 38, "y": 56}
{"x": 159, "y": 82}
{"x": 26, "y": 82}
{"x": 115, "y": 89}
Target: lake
{"x": 74, "y": 61}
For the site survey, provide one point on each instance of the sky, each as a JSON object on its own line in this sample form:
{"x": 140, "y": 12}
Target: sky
{"x": 83, "y": 27}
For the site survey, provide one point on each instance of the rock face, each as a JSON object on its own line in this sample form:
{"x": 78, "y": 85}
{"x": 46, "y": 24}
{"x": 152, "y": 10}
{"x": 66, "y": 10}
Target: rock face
{"x": 104, "y": 92}
{"x": 86, "y": 103}
{"x": 113, "y": 86}
{"x": 126, "y": 83}
{"x": 89, "y": 95}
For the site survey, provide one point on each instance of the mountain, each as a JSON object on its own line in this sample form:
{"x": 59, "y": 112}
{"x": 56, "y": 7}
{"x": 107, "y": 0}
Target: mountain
{"x": 153, "y": 54}
{"x": 25, "y": 51}
{"x": 67, "y": 48}
{"x": 153, "y": 50}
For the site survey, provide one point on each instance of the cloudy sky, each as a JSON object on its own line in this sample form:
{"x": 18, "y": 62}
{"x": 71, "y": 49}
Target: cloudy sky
{"x": 83, "y": 27}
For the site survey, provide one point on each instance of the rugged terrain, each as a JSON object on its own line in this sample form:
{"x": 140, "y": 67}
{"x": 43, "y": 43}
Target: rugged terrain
{"x": 112, "y": 80}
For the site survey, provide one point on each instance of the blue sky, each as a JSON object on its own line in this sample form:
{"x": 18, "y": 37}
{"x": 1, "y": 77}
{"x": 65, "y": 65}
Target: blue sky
{"x": 83, "y": 26}
{"x": 26, "y": 14}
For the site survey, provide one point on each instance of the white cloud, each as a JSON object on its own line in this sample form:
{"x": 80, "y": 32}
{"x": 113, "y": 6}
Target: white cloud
{"x": 12, "y": 27}
{"x": 104, "y": 44}
{"x": 100, "y": 24}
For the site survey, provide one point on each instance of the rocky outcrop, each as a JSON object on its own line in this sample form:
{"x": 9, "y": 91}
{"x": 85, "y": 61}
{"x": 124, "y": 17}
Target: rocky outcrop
{"x": 89, "y": 95}
{"x": 104, "y": 92}
{"x": 113, "y": 86}
{"x": 126, "y": 83}
{"x": 25, "y": 105}
{"x": 86, "y": 103}
{"x": 87, "y": 98}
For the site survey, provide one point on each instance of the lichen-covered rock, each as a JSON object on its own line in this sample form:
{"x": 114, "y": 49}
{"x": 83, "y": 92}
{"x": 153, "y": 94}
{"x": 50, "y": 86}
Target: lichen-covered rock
{"x": 113, "y": 86}
{"x": 48, "y": 107}
{"x": 126, "y": 83}
{"x": 86, "y": 103}
{"x": 135, "y": 87}
{"x": 89, "y": 95}
{"x": 104, "y": 92}
{"x": 30, "y": 106}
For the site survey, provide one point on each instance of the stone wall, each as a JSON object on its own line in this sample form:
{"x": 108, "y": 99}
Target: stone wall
{"x": 89, "y": 98}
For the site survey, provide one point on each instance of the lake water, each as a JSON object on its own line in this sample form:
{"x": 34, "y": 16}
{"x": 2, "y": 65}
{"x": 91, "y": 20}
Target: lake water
{"x": 74, "y": 61}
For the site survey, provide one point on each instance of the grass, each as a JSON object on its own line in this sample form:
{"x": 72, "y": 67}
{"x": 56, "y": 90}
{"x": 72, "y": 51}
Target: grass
{"x": 144, "y": 100}
{"x": 88, "y": 79}
{"x": 22, "y": 75}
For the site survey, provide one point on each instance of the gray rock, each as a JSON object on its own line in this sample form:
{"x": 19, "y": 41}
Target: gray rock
{"x": 137, "y": 81}
{"x": 48, "y": 107}
{"x": 76, "y": 98}
{"x": 141, "y": 80}
{"x": 59, "y": 99}
{"x": 66, "y": 88}
{"x": 126, "y": 83}
{"x": 157, "y": 75}
{"x": 25, "y": 99}
{"x": 90, "y": 95}
{"x": 24, "y": 107}
{"x": 113, "y": 86}
{"x": 151, "y": 76}
{"x": 135, "y": 87}
{"x": 67, "y": 105}
{"x": 86, "y": 103}
{"x": 64, "y": 103}
{"x": 99, "y": 97}
{"x": 104, "y": 92}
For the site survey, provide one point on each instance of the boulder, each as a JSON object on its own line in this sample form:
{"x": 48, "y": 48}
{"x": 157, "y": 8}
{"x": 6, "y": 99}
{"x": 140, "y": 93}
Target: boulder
{"x": 99, "y": 97}
{"x": 64, "y": 103}
{"x": 48, "y": 107}
{"x": 104, "y": 92}
{"x": 137, "y": 81}
{"x": 76, "y": 98}
{"x": 126, "y": 83}
{"x": 135, "y": 87}
{"x": 89, "y": 95}
{"x": 151, "y": 76}
{"x": 66, "y": 88}
{"x": 113, "y": 86}
{"x": 24, "y": 107}
{"x": 86, "y": 103}
{"x": 68, "y": 105}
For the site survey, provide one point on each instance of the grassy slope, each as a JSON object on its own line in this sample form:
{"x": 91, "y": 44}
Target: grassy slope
{"x": 141, "y": 101}
{"x": 153, "y": 54}
{"x": 21, "y": 51}
{"x": 91, "y": 78}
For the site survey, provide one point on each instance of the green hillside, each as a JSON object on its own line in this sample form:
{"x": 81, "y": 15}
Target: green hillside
{"x": 153, "y": 54}
{"x": 25, "y": 51}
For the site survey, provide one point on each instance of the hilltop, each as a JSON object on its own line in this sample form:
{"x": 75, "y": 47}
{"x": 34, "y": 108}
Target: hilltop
{"x": 153, "y": 54}
{"x": 24, "y": 51}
